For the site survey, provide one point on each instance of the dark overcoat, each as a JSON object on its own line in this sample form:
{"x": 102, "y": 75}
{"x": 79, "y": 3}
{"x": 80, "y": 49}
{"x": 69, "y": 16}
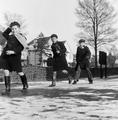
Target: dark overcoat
{"x": 83, "y": 57}
{"x": 59, "y": 59}
{"x": 11, "y": 62}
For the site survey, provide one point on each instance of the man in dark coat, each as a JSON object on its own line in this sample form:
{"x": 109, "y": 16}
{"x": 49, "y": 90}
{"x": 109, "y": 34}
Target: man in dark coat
{"x": 82, "y": 58}
{"x": 11, "y": 55}
{"x": 59, "y": 59}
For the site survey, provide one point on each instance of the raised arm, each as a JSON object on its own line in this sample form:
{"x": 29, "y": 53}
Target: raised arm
{"x": 6, "y": 33}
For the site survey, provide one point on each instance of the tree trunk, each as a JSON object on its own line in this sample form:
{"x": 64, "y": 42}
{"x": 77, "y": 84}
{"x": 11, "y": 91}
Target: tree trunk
{"x": 95, "y": 43}
{"x": 95, "y": 30}
{"x": 96, "y": 65}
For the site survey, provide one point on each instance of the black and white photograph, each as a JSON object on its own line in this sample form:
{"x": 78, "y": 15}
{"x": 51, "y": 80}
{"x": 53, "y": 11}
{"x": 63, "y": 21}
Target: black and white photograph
{"x": 58, "y": 60}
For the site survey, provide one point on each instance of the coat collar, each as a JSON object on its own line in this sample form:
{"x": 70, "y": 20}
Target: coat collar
{"x": 21, "y": 39}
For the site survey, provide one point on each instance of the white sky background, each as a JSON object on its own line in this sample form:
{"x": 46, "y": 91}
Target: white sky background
{"x": 47, "y": 16}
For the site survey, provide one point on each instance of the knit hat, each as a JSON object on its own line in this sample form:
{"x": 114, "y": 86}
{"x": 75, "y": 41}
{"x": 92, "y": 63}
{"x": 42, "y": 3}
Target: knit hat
{"x": 81, "y": 40}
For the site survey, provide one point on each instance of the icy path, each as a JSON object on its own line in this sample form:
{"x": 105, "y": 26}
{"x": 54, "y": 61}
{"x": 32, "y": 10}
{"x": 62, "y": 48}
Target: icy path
{"x": 63, "y": 102}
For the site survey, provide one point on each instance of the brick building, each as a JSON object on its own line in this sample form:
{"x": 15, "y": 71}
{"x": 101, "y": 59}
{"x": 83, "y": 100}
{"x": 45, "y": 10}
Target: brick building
{"x": 39, "y": 49}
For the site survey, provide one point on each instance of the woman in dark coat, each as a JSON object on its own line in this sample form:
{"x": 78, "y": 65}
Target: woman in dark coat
{"x": 11, "y": 55}
{"x": 82, "y": 58}
{"x": 59, "y": 58}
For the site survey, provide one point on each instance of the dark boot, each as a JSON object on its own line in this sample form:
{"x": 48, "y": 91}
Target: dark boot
{"x": 69, "y": 79}
{"x": 7, "y": 85}
{"x": 24, "y": 82}
{"x": 74, "y": 82}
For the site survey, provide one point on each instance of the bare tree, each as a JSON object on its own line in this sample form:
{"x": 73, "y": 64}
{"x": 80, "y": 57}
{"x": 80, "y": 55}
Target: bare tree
{"x": 10, "y": 17}
{"x": 96, "y": 20}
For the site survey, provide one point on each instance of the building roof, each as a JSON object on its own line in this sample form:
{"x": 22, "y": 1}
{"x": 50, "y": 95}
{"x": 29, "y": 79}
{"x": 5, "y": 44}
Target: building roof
{"x": 45, "y": 39}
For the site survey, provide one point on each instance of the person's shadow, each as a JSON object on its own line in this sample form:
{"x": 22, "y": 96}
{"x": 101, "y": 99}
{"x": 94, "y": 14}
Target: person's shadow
{"x": 62, "y": 93}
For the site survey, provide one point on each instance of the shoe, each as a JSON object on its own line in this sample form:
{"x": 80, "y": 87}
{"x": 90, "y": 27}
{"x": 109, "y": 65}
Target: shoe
{"x": 69, "y": 81}
{"x": 91, "y": 82}
{"x": 75, "y": 82}
{"x": 52, "y": 85}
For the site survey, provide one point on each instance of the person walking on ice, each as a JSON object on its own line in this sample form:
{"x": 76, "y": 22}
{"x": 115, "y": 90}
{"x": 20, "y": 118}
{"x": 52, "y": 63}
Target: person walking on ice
{"x": 59, "y": 59}
{"x": 83, "y": 61}
{"x": 10, "y": 59}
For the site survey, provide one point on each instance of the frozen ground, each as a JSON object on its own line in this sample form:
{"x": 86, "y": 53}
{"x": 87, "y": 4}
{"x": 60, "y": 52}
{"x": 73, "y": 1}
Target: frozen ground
{"x": 98, "y": 101}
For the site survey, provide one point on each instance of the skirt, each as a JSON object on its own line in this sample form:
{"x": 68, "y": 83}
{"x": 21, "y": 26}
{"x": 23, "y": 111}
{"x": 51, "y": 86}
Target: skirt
{"x": 11, "y": 63}
{"x": 60, "y": 63}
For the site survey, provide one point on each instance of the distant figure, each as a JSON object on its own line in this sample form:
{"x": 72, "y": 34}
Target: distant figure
{"x": 50, "y": 61}
{"x": 59, "y": 59}
{"x": 83, "y": 61}
{"x": 111, "y": 60}
{"x": 103, "y": 62}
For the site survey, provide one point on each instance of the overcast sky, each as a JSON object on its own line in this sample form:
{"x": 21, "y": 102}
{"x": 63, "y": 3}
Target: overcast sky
{"x": 47, "y": 16}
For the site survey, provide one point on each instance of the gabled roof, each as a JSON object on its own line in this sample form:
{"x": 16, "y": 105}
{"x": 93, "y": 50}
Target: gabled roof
{"x": 46, "y": 39}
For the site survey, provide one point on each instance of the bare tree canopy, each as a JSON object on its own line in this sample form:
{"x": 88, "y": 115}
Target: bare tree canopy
{"x": 96, "y": 21}
{"x": 11, "y": 17}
